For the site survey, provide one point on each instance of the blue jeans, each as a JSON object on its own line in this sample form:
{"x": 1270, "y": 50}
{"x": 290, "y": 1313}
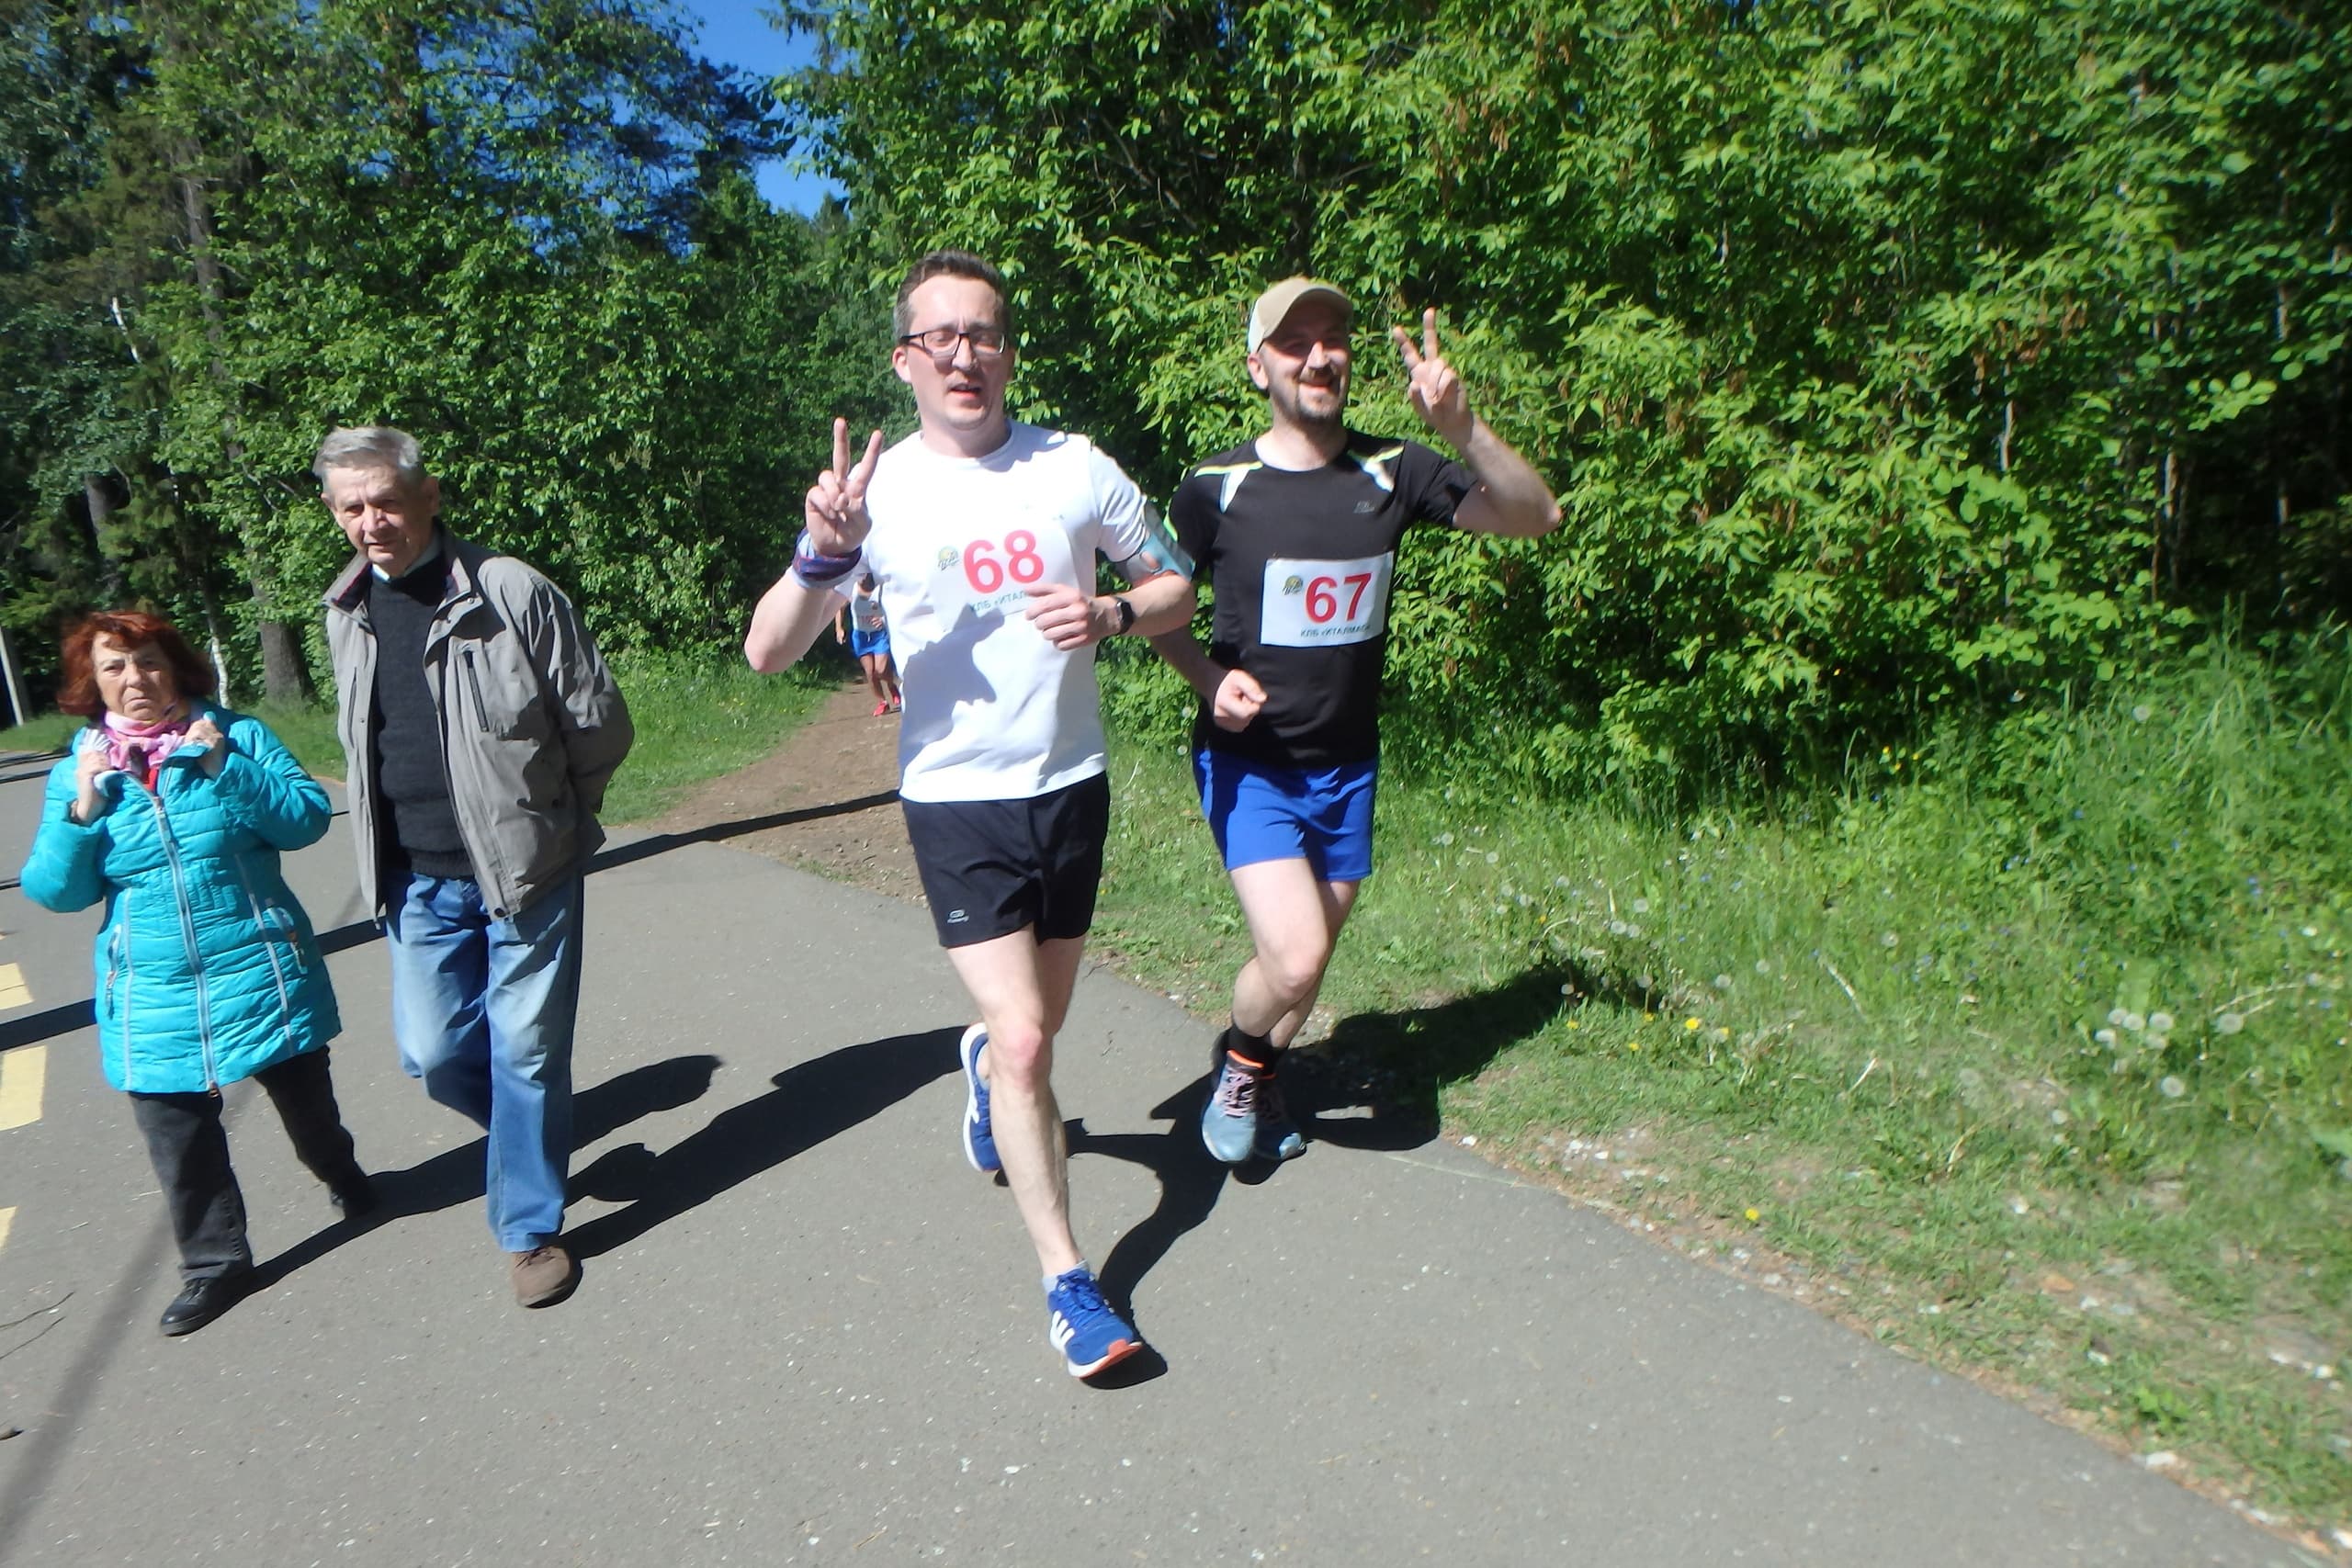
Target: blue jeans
{"x": 482, "y": 1010}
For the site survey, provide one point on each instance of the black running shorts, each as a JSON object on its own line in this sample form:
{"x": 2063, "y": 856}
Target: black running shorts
{"x": 993, "y": 867}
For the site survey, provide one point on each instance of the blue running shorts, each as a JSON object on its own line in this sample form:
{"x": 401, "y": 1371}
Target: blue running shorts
{"x": 1322, "y": 815}
{"x": 863, "y": 642}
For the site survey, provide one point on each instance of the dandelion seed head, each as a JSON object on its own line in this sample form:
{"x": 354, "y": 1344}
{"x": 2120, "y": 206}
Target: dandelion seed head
{"x": 1722, "y": 982}
{"x": 1641, "y": 906}
{"x": 2310, "y": 930}
{"x": 1493, "y": 858}
{"x": 1633, "y": 932}
{"x": 2172, "y": 1088}
{"x": 2105, "y": 1037}
{"x": 1617, "y": 928}
{"x": 1646, "y": 982}
{"x": 2160, "y": 1023}
{"x": 2141, "y": 714}
{"x": 1763, "y": 966}
{"x": 1888, "y": 939}
{"x": 2116, "y": 1016}
{"x": 2135, "y": 1022}
{"x": 2156, "y": 1042}
{"x": 2230, "y": 1022}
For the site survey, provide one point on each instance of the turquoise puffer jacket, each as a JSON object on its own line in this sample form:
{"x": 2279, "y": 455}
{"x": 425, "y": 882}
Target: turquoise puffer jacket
{"x": 207, "y": 968}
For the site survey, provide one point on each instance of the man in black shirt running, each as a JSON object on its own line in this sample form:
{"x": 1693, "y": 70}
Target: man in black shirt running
{"x": 1297, "y": 530}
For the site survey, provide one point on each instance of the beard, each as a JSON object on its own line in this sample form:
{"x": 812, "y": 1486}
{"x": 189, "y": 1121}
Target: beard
{"x": 1321, "y": 410}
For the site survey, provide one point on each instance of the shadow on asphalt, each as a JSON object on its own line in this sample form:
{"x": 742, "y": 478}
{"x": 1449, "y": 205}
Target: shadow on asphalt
{"x": 1190, "y": 1182}
{"x": 716, "y": 832}
{"x": 1373, "y": 1083}
{"x": 812, "y": 1101}
{"x": 455, "y": 1176}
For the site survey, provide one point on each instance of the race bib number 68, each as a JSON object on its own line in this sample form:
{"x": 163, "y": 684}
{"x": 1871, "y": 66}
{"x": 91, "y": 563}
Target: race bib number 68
{"x": 993, "y": 576}
{"x": 1319, "y": 604}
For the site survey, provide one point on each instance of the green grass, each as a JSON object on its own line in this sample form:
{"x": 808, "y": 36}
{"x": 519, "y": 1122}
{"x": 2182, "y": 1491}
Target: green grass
{"x": 2027, "y": 1051}
{"x": 307, "y": 731}
{"x": 44, "y": 733}
{"x": 697, "y": 717}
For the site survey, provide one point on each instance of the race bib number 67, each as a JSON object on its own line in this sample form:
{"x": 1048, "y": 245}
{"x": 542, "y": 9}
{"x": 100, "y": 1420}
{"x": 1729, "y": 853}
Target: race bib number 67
{"x": 1319, "y": 604}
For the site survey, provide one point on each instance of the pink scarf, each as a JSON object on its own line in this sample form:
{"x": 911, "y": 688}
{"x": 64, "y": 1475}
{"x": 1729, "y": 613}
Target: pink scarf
{"x": 140, "y": 749}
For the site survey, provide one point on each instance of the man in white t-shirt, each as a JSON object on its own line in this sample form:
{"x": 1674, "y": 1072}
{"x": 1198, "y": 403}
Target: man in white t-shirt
{"x": 983, "y": 534}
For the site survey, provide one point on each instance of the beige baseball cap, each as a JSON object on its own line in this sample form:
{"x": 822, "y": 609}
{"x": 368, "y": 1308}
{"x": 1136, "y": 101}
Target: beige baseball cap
{"x": 1277, "y": 302}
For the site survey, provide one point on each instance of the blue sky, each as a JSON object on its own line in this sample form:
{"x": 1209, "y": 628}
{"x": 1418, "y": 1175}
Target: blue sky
{"x": 740, "y": 32}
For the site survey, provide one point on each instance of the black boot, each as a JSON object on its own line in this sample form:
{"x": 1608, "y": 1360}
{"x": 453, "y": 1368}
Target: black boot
{"x": 354, "y": 1197}
{"x": 201, "y": 1301}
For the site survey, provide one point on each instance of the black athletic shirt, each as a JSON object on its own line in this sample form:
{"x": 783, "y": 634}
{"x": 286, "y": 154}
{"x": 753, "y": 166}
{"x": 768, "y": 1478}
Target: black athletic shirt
{"x": 1301, "y": 562}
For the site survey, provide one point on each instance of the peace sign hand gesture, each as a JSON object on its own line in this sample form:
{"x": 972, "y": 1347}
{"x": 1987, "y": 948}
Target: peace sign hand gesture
{"x": 1437, "y": 393}
{"x": 835, "y": 511}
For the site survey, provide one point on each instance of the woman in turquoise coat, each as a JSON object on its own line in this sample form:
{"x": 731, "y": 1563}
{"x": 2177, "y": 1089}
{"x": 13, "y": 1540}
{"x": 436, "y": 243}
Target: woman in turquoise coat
{"x": 173, "y": 812}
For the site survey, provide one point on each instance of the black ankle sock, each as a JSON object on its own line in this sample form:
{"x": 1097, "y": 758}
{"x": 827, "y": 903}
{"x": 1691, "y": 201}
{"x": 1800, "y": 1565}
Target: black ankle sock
{"x": 1257, "y": 1048}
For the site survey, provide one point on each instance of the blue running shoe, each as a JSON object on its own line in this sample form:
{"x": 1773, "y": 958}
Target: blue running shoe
{"x": 1245, "y": 1116}
{"x": 1089, "y": 1335}
{"x": 979, "y": 1136}
{"x": 1278, "y": 1136}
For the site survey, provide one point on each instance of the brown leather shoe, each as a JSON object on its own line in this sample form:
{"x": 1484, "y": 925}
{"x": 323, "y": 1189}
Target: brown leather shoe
{"x": 544, "y": 1276}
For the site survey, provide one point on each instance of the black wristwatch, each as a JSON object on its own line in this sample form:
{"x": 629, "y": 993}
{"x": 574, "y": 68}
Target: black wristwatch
{"x": 1127, "y": 614}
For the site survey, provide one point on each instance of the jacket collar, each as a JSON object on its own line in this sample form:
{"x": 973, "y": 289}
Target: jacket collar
{"x": 348, "y": 593}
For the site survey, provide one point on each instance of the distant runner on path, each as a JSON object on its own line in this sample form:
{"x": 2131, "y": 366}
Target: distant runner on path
{"x": 982, "y": 534}
{"x": 1296, "y": 532}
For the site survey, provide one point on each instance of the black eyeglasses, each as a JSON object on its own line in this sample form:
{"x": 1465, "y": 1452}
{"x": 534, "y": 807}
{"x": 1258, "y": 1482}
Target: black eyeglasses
{"x": 940, "y": 342}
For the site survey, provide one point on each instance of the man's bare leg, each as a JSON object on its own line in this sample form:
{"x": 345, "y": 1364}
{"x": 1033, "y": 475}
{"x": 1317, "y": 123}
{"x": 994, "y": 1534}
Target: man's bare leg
{"x": 1294, "y": 920}
{"x": 1023, "y": 988}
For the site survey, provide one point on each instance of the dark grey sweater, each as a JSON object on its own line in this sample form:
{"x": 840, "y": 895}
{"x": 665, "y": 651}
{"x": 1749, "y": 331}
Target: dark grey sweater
{"x": 420, "y": 831}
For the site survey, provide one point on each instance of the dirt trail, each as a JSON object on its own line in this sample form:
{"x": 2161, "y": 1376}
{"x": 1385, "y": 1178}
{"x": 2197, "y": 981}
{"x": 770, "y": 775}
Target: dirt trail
{"x": 842, "y": 754}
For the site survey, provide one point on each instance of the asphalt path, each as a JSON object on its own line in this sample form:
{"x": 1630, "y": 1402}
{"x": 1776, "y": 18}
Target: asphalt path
{"x": 809, "y": 1334}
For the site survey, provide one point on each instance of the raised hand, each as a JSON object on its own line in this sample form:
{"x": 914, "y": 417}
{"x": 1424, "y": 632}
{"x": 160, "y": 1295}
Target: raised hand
{"x": 1437, "y": 393}
{"x": 88, "y": 802}
{"x": 207, "y": 734}
{"x": 835, "y": 510}
{"x": 1238, "y": 698}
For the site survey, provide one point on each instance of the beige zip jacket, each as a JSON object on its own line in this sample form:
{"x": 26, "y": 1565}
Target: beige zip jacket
{"x": 532, "y": 722}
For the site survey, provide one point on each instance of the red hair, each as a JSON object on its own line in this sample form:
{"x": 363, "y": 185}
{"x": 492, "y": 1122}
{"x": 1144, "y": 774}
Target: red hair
{"x": 77, "y": 692}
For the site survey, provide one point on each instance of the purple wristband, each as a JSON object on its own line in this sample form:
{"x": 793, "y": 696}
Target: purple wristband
{"x": 815, "y": 569}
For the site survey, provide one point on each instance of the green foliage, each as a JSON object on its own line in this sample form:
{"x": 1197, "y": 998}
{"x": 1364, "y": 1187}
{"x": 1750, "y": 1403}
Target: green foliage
{"x": 1888, "y": 355}
{"x": 527, "y": 233}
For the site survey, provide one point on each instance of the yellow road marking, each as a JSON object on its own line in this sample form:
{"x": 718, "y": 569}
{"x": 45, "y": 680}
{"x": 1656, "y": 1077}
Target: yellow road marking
{"x": 6, "y": 1216}
{"x": 22, "y": 1073}
{"x": 14, "y": 992}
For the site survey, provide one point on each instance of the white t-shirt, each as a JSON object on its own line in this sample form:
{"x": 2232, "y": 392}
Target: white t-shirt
{"x": 994, "y": 711}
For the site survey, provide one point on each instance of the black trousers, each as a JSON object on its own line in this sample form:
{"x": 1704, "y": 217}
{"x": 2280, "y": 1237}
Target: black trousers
{"x": 190, "y": 1151}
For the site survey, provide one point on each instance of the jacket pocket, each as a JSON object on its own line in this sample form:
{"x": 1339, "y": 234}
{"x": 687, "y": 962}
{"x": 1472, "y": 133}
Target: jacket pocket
{"x": 278, "y": 925}
{"x": 113, "y": 972}
{"x": 502, "y": 698}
